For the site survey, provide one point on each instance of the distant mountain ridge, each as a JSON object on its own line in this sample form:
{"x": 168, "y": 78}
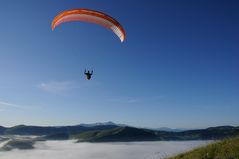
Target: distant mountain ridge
{"x": 2, "y": 129}
{"x": 170, "y": 129}
{"x": 122, "y": 134}
{"x": 46, "y": 130}
{"x": 109, "y": 131}
{"x": 40, "y": 130}
{"x": 135, "y": 134}
{"x": 102, "y": 124}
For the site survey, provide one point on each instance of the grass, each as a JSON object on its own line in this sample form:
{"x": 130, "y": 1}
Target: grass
{"x": 93, "y": 135}
{"x": 225, "y": 149}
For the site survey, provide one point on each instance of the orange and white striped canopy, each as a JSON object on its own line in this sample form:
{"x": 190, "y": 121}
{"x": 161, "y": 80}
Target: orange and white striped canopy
{"x": 87, "y": 15}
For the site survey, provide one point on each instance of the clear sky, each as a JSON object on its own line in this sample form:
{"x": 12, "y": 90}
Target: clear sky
{"x": 179, "y": 65}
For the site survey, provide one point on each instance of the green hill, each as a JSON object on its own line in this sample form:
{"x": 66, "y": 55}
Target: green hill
{"x": 56, "y": 136}
{"x": 212, "y": 133}
{"x": 225, "y": 149}
{"x": 105, "y": 133}
{"x": 122, "y": 134}
{"x": 49, "y": 130}
{"x": 118, "y": 134}
{"x": 2, "y": 129}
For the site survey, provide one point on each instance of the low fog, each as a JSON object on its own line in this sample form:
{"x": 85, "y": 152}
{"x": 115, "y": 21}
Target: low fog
{"x": 72, "y": 150}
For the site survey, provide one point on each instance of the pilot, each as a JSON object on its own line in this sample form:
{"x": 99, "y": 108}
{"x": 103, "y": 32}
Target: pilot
{"x": 88, "y": 74}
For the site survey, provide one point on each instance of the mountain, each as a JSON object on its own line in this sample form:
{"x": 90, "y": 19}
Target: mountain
{"x": 2, "y": 130}
{"x": 38, "y": 130}
{"x": 136, "y": 134}
{"x": 118, "y": 134}
{"x": 212, "y": 133}
{"x": 56, "y": 136}
{"x": 169, "y": 129}
{"x": 104, "y": 132}
{"x": 100, "y": 124}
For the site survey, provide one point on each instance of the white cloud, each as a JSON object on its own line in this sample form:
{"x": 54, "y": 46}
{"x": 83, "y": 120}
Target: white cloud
{"x": 136, "y": 99}
{"x": 131, "y": 150}
{"x": 58, "y": 86}
{"x": 124, "y": 100}
{"x": 7, "y": 105}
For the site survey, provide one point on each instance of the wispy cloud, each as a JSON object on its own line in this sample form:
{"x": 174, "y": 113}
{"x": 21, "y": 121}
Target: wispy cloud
{"x": 6, "y": 105}
{"x": 131, "y": 100}
{"x": 58, "y": 86}
{"x": 125, "y": 100}
{"x": 12, "y": 106}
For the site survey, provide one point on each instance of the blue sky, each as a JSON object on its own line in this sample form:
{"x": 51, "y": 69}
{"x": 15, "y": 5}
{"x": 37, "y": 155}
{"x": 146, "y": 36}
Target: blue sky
{"x": 177, "y": 68}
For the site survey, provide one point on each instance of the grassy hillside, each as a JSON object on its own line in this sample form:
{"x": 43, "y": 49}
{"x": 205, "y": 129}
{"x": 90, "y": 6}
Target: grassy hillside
{"x": 56, "y": 136}
{"x": 212, "y": 133}
{"x": 136, "y": 134}
{"x": 225, "y": 149}
{"x": 2, "y": 129}
{"x": 118, "y": 134}
{"x": 105, "y": 133}
{"x": 39, "y": 130}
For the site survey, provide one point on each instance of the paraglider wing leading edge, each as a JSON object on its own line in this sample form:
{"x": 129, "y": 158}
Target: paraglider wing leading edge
{"x": 91, "y": 16}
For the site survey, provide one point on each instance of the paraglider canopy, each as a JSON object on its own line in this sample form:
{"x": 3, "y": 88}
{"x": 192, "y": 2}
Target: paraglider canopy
{"x": 87, "y": 15}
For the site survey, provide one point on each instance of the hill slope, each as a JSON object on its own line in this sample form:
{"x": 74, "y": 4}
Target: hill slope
{"x": 102, "y": 133}
{"x": 213, "y": 133}
{"x": 38, "y": 130}
{"x": 225, "y": 149}
{"x": 2, "y": 130}
{"x": 118, "y": 134}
